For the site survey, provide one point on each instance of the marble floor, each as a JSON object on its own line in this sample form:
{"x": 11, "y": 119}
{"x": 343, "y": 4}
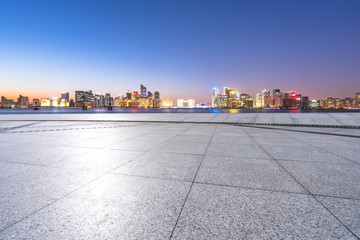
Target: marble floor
{"x": 136, "y": 180}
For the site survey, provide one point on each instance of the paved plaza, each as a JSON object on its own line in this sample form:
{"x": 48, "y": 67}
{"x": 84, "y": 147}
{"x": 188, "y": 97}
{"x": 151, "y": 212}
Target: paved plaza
{"x": 100, "y": 178}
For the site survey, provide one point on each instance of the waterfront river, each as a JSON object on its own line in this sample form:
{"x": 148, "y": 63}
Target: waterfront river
{"x": 165, "y": 110}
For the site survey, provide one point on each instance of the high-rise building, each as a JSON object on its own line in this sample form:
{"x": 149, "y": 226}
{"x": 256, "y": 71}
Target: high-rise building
{"x": 4, "y": 102}
{"x": 142, "y": 90}
{"x": 330, "y": 102}
{"x": 79, "y": 96}
{"x": 128, "y": 94}
{"x": 226, "y": 89}
{"x": 150, "y": 96}
{"x": 258, "y": 100}
{"x": 232, "y": 93}
{"x": 233, "y": 101}
{"x": 107, "y": 99}
{"x": 157, "y": 101}
{"x": 305, "y": 103}
{"x": 221, "y": 101}
{"x": 215, "y": 93}
{"x": 23, "y": 102}
{"x": 64, "y": 100}
{"x": 277, "y": 98}
{"x": 46, "y": 102}
{"x": 99, "y": 100}
{"x": 292, "y": 100}
{"x": 3, "y": 99}
{"x": 65, "y": 96}
{"x": 135, "y": 95}
{"x": 84, "y": 99}
{"x": 89, "y": 96}
{"x": 71, "y": 103}
{"x": 55, "y": 102}
{"x": 246, "y": 101}
{"x": 265, "y": 98}
{"x": 36, "y": 102}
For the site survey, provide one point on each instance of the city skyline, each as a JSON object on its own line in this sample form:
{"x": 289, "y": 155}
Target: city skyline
{"x": 180, "y": 48}
{"x": 227, "y": 98}
{"x": 15, "y": 95}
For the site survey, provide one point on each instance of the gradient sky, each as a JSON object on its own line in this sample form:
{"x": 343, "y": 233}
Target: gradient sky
{"x": 181, "y": 48}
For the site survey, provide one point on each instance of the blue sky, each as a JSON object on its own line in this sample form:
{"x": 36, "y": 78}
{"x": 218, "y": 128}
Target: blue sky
{"x": 182, "y": 48}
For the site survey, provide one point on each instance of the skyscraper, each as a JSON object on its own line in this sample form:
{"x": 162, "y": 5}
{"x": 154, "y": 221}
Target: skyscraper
{"x": 215, "y": 93}
{"x": 84, "y": 99}
{"x": 65, "y": 96}
{"x": 292, "y": 100}
{"x": 107, "y": 100}
{"x": 258, "y": 100}
{"x": 142, "y": 90}
{"x": 99, "y": 100}
{"x": 265, "y": 98}
{"x": 128, "y": 94}
{"x": 23, "y": 102}
{"x": 157, "y": 101}
{"x": 277, "y": 98}
{"x": 305, "y": 103}
{"x": 89, "y": 96}
{"x": 150, "y": 95}
{"x": 151, "y": 99}
{"x": 79, "y": 96}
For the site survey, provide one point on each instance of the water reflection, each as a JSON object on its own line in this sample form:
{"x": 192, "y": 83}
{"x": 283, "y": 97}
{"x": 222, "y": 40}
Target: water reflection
{"x": 165, "y": 110}
{"x": 233, "y": 110}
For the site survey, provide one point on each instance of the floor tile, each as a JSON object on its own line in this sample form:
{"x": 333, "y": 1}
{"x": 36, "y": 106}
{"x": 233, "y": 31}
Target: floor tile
{"x": 231, "y": 213}
{"x": 250, "y": 173}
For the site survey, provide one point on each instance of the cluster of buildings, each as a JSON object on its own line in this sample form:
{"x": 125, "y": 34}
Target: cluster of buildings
{"x": 230, "y": 98}
{"x": 144, "y": 99}
{"x": 85, "y": 99}
{"x": 63, "y": 101}
{"x": 23, "y": 102}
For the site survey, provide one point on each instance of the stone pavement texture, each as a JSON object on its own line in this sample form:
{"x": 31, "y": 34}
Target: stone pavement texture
{"x": 316, "y": 118}
{"x": 130, "y": 180}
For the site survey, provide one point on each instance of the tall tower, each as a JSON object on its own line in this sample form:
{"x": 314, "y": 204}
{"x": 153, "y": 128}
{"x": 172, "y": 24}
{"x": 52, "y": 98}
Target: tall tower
{"x": 142, "y": 91}
{"x": 277, "y": 98}
{"x": 215, "y": 93}
{"x": 157, "y": 99}
{"x": 107, "y": 100}
{"x": 265, "y": 100}
{"x": 150, "y": 96}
